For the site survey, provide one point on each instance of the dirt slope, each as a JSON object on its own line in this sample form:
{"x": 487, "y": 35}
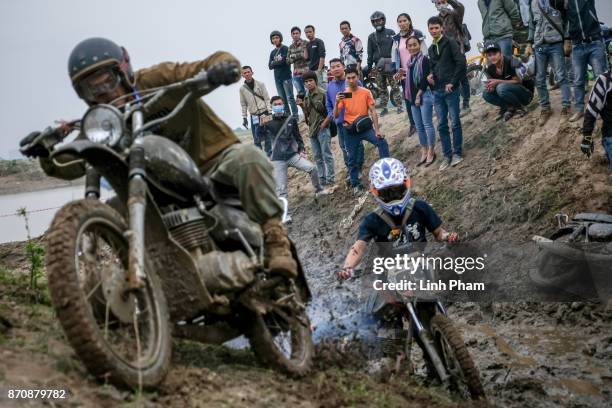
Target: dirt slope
{"x": 514, "y": 179}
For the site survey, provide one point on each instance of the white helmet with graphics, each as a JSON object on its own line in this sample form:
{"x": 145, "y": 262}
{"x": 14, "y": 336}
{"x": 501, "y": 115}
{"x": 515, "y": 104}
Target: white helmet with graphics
{"x": 390, "y": 185}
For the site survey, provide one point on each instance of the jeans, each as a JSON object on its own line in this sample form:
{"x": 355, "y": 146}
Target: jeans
{"x": 353, "y": 140}
{"x": 321, "y": 150}
{"x": 447, "y": 104}
{"x": 297, "y": 162}
{"x": 543, "y": 54}
{"x": 261, "y": 134}
{"x": 298, "y": 83}
{"x": 423, "y": 120}
{"x": 508, "y": 96}
{"x": 321, "y": 82}
{"x": 505, "y": 44}
{"x": 342, "y": 138}
{"x": 285, "y": 90}
{"x": 408, "y": 104}
{"x": 606, "y": 141}
{"x": 593, "y": 54}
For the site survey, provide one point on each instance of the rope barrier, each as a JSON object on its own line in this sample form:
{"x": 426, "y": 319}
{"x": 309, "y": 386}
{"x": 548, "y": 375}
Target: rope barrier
{"x": 28, "y": 212}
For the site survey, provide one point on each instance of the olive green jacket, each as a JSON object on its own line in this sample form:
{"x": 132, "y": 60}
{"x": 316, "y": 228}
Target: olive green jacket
{"x": 499, "y": 19}
{"x": 196, "y": 128}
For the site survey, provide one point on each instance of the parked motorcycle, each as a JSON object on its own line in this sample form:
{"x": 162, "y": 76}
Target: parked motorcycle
{"x": 368, "y": 79}
{"x": 163, "y": 256}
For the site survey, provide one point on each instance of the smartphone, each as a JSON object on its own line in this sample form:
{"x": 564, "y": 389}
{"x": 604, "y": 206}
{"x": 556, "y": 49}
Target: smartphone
{"x": 347, "y": 95}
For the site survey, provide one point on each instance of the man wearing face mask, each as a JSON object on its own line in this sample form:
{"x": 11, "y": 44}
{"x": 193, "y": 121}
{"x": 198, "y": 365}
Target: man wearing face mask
{"x": 288, "y": 149}
{"x": 380, "y": 44}
{"x": 451, "y": 12}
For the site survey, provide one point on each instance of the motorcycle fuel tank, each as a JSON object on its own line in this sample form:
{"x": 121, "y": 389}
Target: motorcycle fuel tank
{"x": 171, "y": 167}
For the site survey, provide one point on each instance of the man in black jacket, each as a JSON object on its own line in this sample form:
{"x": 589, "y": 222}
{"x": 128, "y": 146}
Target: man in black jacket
{"x": 288, "y": 149}
{"x": 448, "y": 69}
{"x": 380, "y": 44}
{"x": 587, "y": 47}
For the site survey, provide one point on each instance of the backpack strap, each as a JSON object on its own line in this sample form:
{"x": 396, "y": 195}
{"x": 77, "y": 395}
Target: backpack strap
{"x": 397, "y": 229}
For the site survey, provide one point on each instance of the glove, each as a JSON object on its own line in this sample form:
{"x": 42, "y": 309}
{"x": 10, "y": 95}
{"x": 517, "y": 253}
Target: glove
{"x": 34, "y": 151}
{"x": 587, "y": 145}
{"x": 245, "y": 123}
{"x": 224, "y": 73}
{"x": 567, "y": 48}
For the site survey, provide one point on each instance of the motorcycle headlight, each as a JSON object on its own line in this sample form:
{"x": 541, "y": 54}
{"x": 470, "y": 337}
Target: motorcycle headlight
{"x": 103, "y": 124}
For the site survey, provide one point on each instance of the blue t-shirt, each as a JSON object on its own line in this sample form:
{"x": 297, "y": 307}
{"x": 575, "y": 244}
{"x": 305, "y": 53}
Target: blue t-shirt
{"x": 422, "y": 218}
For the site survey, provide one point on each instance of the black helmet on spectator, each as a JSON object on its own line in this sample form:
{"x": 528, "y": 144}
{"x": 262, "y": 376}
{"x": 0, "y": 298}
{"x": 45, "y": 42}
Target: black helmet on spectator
{"x": 276, "y": 32}
{"x": 378, "y": 15}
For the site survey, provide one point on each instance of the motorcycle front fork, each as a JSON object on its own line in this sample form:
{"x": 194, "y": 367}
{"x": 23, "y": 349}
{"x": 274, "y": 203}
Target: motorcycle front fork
{"x": 427, "y": 341}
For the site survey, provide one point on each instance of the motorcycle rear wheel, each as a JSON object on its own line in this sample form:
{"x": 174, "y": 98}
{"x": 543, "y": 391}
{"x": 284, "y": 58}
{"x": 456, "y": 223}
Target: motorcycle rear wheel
{"x": 121, "y": 336}
{"x": 283, "y": 340}
{"x": 464, "y": 376}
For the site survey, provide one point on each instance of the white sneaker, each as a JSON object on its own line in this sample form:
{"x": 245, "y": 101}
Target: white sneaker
{"x": 446, "y": 162}
{"x": 322, "y": 193}
{"x": 456, "y": 160}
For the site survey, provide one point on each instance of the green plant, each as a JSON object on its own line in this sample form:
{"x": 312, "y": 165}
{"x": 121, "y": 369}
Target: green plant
{"x": 34, "y": 251}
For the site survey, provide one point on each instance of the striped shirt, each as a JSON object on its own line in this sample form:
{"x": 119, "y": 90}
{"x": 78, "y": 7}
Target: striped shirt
{"x": 600, "y": 104}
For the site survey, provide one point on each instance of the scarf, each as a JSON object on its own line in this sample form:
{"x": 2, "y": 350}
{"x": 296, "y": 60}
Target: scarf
{"x": 414, "y": 73}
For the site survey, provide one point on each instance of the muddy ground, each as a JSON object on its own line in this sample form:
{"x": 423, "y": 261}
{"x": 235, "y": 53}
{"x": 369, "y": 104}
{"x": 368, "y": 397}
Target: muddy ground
{"x": 515, "y": 178}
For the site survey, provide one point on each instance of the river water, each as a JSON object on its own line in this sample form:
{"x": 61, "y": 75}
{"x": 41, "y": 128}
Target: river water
{"x": 41, "y": 207}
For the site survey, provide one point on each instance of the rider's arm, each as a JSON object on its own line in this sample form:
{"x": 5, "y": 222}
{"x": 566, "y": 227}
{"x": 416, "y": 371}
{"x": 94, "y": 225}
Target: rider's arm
{"x": 442, "y": 235}
{"x": 355, "y": 254}
{"x": 170, "y": 72}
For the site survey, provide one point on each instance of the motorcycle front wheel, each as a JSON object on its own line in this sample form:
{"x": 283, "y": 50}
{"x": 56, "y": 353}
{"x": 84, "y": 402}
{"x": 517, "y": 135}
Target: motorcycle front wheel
{"x": 122, "y": 336}
{"x": 464, "y": 376}
{"x": 281, "y": 338}
{"x": 476, "y": 76}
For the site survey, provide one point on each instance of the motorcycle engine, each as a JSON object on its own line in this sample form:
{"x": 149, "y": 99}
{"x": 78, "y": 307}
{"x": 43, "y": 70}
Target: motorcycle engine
{"x": 190, "y": 229}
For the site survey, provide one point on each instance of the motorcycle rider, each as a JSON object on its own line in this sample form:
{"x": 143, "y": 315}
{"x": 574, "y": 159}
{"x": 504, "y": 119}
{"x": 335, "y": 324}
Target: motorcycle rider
{"x": 400, "y": 218}
{"x": 100, "y": 71}
{"x": 380, "y": 44}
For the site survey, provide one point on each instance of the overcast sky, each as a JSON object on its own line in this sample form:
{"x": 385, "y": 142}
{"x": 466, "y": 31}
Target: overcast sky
{"x": 37, "y": 37}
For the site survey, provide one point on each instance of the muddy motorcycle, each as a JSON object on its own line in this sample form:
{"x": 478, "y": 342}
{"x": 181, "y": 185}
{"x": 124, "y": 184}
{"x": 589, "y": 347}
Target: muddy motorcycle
{"x": 368, "y": 79}
{"x": 446, "y": 354}
{"x": 164, "y": 256}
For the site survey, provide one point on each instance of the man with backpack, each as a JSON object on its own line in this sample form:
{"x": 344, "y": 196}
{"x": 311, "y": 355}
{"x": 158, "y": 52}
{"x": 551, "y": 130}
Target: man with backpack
{"x": 319, "y": 130}
{"x": 547, "y": 36}
{"x": 254, "y": 99}
{"x": 288, "y": 149}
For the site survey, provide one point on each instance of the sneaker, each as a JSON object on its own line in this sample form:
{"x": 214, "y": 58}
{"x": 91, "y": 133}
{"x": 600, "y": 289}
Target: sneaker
{"x": 321, "y": 193}
{"x": 500, "y": 115}
{"x": 508, "y": 115}
{"x": 331, "y": 188}
{"x": 545, "y": 114}
{"x": 358, "y": 190}
{"x": 446, "y": 162}
{"x": 412, "y": 130}
{"x": 520, "y": 112}
{"x": 576, "y": 116}
{"x": 565, "y": 111}
{"x": 384, "y": 112}
{"x": 465, "y": 111}
{"x": 456, "y": 160}
{"x": 400, "y": 110}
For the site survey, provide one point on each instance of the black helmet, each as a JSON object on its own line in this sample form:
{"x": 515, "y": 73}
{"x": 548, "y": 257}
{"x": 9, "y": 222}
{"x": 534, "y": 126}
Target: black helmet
{"x": 377, "y": 15}
{"x": 94, "y": 54}
{"x": 276, "y": 32}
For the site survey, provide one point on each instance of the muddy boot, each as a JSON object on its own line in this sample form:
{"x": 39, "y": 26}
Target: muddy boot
{"x": 545, "y": 114}
{"x": 278, "y": 249}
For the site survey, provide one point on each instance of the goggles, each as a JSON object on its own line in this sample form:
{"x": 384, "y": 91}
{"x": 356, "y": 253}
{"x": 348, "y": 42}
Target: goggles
{"x": 99, "y": 83}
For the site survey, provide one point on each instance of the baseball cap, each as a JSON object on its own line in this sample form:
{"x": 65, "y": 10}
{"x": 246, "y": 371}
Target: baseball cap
{"x": 491, "y": 46}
